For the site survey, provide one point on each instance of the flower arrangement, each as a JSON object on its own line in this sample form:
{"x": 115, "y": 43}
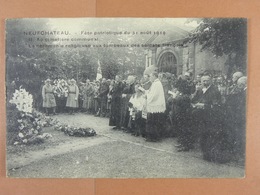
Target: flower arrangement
{"x": 23, "y": 100}
{"x": 75, "y": 131}
{"x": 29, "y": 129}
{"x": 29, "y": 123}
{"x": 47, "y": 121}
{"x": 60, "y": 88}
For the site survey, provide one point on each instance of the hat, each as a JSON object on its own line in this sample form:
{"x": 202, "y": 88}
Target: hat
{"x": 47, "y": 80}
{"x": 72, "y": 80}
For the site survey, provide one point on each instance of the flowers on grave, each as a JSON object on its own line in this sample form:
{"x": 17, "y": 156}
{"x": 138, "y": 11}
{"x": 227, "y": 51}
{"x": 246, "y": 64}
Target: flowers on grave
{"x": 75, "y": 131}
{"x": 28, "y": 124}
{"x": 47, "y": 121}
{"x": 23, "y": 100}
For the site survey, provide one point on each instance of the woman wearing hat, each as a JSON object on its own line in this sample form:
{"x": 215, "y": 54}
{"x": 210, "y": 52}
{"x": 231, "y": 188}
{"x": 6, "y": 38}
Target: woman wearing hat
{"x": 183, "y": 117}
{"x": 48, "y": 97}
{"x": 73, "y": 94}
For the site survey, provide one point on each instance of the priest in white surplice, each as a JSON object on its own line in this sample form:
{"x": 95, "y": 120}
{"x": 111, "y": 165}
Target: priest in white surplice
{"x": 155, "y": 109}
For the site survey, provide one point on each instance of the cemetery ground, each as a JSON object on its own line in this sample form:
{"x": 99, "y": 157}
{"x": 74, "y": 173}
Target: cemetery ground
{"x": 109, "y": 154}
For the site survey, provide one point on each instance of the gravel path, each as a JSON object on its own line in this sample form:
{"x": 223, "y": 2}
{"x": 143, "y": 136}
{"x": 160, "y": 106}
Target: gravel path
{"x": 111, "y": 154}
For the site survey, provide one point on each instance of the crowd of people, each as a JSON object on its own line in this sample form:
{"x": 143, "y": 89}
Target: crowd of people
{"x": 209, "y": 110}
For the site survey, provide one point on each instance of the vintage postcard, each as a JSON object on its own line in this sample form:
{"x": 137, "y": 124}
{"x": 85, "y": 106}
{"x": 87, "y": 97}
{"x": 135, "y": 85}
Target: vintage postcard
{"x": 126, "y": 97}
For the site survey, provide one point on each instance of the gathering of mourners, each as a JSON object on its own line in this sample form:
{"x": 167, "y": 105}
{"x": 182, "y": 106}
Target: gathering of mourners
{"x": 205, "y": 111}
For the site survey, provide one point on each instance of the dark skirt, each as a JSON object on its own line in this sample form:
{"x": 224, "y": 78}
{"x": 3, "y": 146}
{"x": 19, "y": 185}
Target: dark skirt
{"x": 184, "y": 130}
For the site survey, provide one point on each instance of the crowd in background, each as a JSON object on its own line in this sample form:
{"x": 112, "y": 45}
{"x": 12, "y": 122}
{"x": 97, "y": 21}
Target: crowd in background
{"x": 208, "y": 109}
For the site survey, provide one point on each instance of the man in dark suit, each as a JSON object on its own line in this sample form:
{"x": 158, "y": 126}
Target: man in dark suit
{"x": 208, "y": 96}
{"x": 236, "y": 117}
{"x": 206, "y": 114}
{"x": 103, "y": 91}
{"x": 116, "y": 103}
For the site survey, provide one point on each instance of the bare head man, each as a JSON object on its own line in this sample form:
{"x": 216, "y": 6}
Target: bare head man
{"x": 206, "y": 80}
{"x": 236, "y": 76}
{"x": 153, "y": 76}
{"x": 242, "y": 82}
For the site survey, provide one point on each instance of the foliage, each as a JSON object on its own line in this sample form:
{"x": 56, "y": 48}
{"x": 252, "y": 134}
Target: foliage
{"x": 224, "y": 36}
{"x": 12, "y": 116}
{"x": 29, "y": 67}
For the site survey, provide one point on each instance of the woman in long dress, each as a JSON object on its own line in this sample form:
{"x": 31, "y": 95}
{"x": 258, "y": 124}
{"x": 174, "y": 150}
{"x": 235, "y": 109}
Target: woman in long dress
{"x": 48, "y": 97}
{"x": 182, "y": 107}
{"x": 72, "y": 99}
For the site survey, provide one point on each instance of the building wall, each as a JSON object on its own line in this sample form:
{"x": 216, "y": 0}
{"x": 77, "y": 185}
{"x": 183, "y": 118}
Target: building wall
{"x": 205, "y": 60}
{"x": 176, "y": 51}
{"x": 189, "y": 59}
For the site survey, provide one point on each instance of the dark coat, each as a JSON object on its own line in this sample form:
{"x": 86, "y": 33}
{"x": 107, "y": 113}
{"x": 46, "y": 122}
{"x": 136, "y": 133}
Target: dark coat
{"x": 211, "y": 98}
{"x": 128, "y": 90}
{"x": 116, "y": 93}
{"x": 235, "y": 119}
{"x": 236, "y": 108}
{"x": 103, "y": 90}
{"x": 182, "y": 108}
{"x": 209, "y": 123}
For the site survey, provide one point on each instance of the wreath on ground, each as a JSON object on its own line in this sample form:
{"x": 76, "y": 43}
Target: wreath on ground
{"x": 75, "y": 131}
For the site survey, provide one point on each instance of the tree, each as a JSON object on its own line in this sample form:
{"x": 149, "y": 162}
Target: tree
{"x": 224, "y": 36}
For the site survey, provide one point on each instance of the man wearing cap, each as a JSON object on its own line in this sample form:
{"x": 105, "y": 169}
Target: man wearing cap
{"x": 73, "y": 94}
{"x": 48, "y": 97}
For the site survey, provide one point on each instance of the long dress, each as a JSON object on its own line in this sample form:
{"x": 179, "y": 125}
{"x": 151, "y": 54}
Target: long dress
{"x": 73, "y": 93}
{"x": 182, "y": 107}
{"x": 48, "y": 97}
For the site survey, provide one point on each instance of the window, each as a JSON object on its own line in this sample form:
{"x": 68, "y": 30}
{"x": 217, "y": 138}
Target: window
{"x": 168, "y": 63}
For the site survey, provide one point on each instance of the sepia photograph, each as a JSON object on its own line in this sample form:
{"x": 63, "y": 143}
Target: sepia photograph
{"x": 126, "y": 97}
